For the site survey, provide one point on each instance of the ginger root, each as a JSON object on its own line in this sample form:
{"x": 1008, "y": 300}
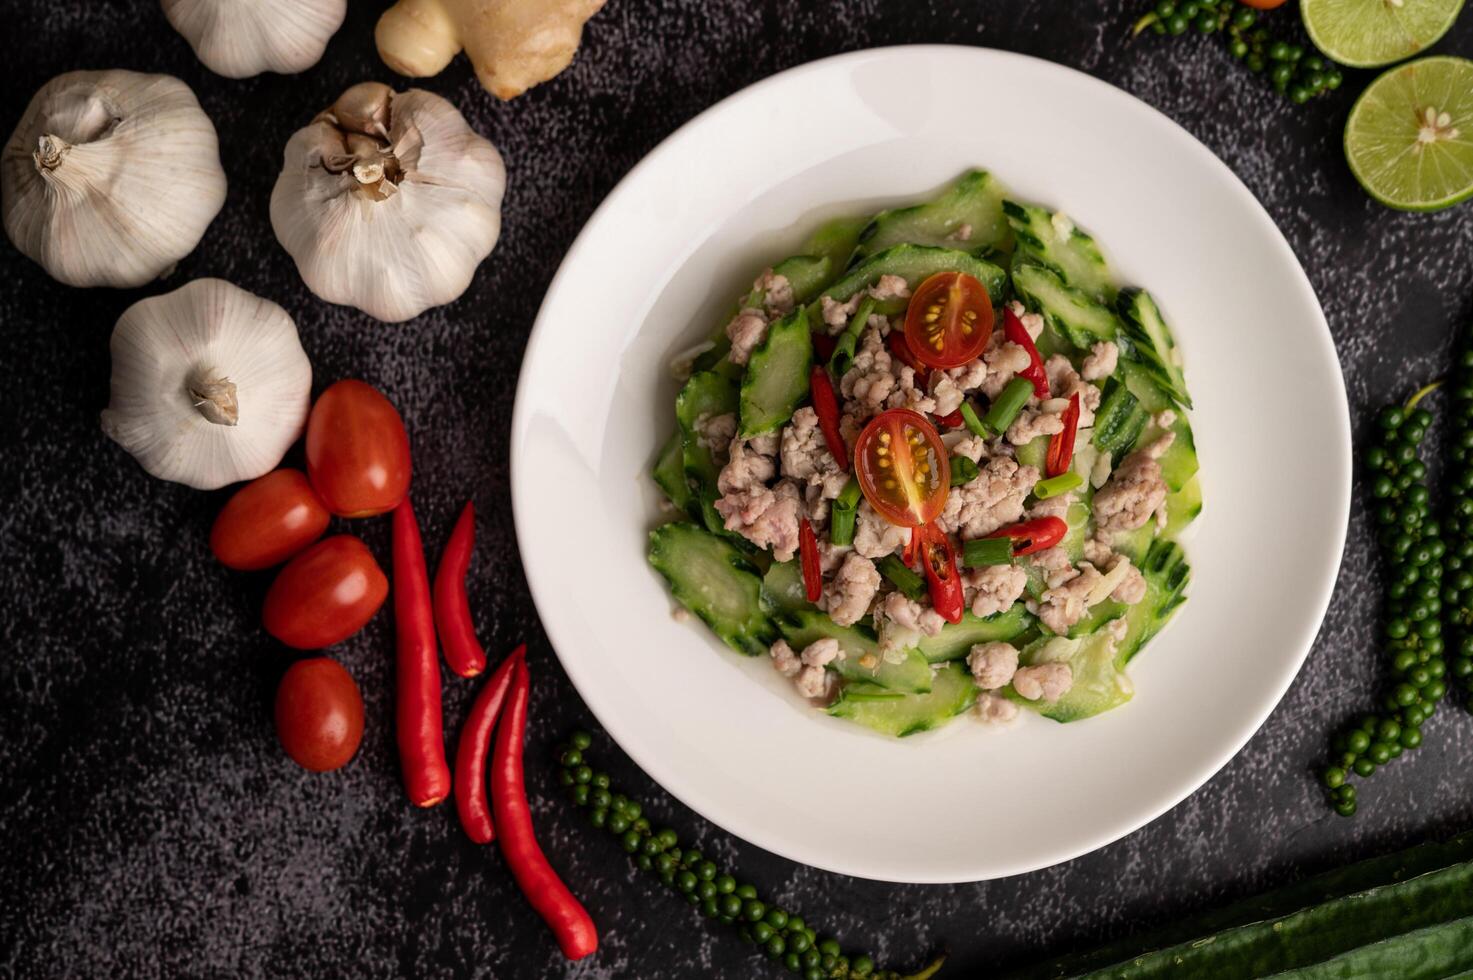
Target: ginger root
{"x": 512, "y": 44}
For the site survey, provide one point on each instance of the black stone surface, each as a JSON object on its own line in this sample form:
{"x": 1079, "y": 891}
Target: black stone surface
{"x": 152, "y": 827}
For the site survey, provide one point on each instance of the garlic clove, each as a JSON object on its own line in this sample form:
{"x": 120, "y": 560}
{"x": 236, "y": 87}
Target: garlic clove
{"x": 388, "y": 202}
{"x": 111, "y": 177}
{"x": 210, "y": 384}
{"x": 241, "y": 38}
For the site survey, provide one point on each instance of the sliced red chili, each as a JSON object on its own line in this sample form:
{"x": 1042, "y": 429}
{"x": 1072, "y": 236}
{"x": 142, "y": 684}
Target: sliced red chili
{"x": 1038, "y": 534}
{"x": 952, "y": 421}
{"x": 826, "y": 405}
{"x": 938, "y": 556}
{"x": 900, "y": 350}
{"x": 823, "y": 347}
{"x": 1014, "y": 330}
{"x": 1061, "y": 446}
{"x": 808, "y": 556}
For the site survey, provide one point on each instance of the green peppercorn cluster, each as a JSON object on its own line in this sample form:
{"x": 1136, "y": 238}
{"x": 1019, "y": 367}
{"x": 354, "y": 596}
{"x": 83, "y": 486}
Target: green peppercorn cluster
{"x": 1292, "y": 73}
{"x": 1457, "y": 588}
{"x": 782, "y": 936}
{"x": 1413, "y": 542}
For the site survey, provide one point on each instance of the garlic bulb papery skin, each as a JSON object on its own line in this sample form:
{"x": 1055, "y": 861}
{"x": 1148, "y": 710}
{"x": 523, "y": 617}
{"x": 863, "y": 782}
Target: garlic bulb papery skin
{"x": 388, "y": 201}
{"x": 241, "y": 38}
{"x": 210, "y": 384}
{"x": 111, "y": 177}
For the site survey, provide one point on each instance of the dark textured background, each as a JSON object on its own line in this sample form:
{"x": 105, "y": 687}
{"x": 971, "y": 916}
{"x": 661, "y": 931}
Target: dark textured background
{"x": 152, "y": 827}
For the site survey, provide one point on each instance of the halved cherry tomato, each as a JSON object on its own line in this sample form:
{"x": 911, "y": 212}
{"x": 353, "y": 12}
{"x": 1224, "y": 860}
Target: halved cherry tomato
{"x": 319, "y": 714}
{"x": 267, "y": 521}
{"x": 325, "y": 594}
{"x": 938, "y": 559}
{"x": 1039, "y": 534}
{"x": 902, "y": 467}
{"x": 949, "y": 320}
{"x": 357, "y": 451}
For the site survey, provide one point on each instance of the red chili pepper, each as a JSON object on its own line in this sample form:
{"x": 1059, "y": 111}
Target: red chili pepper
{"x": 827, "y": 408}
{"x": 808, "y": 556}
{"x": 1061, "y": 446}
{"x": 1035, "y": 535}
{"x": 900, "y": 350}
{"x": 418, "y": 722}
{"x": 823, "y": 347}
{"x": 463, "y": 651}
{"x": 1014, "y": 330}
{"x": 952, "y": 421}
{"x": 938, "y": 556}
{"x": 544, "y": 890}
{"x": 475, "y": 743}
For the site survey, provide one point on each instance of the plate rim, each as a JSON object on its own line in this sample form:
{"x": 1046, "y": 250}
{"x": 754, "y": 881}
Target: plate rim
{"x": 1339, "y": 500}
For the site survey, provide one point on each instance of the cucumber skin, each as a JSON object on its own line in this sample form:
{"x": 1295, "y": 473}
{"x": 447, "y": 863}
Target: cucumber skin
{"x": 1078, "y": 262}
{"x": 705, "y": 393}
{"x": 670, "y": 545}
{"x": 669, "y": 474}
{"x": 782, "y": 589}
{"x": 1072, "y": 314}
{"x": 1389, "y": 869}
{"x": 911, "y": 676}
{"x": 974, "y": 199}
{"x": 915, "y": 264}
{"x": 956, "y": 640}
{"x": 1140, "y": 316}
{"x": 952, "y": 692}
{"x": 776, "y": 379}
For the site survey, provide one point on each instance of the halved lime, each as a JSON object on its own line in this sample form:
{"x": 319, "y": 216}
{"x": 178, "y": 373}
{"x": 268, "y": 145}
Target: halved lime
{"x": 1370, "y": 33}
{"x": 1409, "y": 139}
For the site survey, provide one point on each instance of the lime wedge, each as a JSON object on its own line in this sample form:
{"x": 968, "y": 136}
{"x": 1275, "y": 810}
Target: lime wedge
{"x": 1409, "y": 139}
{"x": 1370, "y": 33}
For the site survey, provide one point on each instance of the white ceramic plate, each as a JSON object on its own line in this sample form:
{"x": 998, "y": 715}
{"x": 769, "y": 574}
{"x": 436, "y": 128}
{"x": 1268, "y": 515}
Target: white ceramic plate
{"x": 737, "y": 188}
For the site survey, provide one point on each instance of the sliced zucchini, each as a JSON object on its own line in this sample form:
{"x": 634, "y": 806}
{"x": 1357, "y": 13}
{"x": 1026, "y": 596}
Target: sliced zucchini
{"x": 915, "y": 264}
{"x": 1182, "y": 508}
{"x": 1151, "y": 343}
{"x": 1077, "y": 517}
{"x": 1074, "y": 314}
{"x": 835, "y": 240}
{"x": 957, "y": 639}
{"x": 1034, "y": 454}
{"x": 807, "y": 274}
{"x": 782, "y": 588}
{"x": 911, "y": 676}
{"x": 952, "y": 692}
{"x": 1051, "y": 240}
{"x": 1098, "y": 684}
{"x": 974, "y": 200}
{"x": 1167, "y": 575}
{"x": 711, "y": 578}
{"x": 776, "y": 381}
{"x": 1179, "y": 462}
{"x": 706, "y": 393}
{"x": 669, "y": 472}
{"x": 1119, "y": 420}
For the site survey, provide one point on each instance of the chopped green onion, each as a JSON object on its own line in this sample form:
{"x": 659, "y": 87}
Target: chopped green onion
{"x": 849, "y": 496}
{"x": 902, "y": 577}
{"x": 987, "y": 551}
{"x": 1056, "y": 485}
{"x": 841, "y": 525}
{"x": 1007, "y": 405}
{"x": 861, "y": 696}
{"x": 842, "y": 358}
{"x": 963, "y": 471}
{"x": 974, "y": 424}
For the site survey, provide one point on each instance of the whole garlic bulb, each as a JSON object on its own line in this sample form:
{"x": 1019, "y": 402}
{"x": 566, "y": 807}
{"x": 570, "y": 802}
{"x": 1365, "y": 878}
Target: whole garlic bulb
{"x": 110, "y": 177}
{"x": 241, "y": 38}
{"x": 210, "y": 384}
{"x": 388, "y": 202}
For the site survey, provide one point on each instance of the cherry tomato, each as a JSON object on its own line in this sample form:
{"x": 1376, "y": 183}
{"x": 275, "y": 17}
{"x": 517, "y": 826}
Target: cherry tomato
{"x": 357, "y": 451}
{"x": 1263, "y": 4}
{"x": 902, "y": 467}
{"x": 267, "y": 521}
{"x": 319, "y": 714}
{"x": 325, "y": 594}
{"x": 949, "y": 320}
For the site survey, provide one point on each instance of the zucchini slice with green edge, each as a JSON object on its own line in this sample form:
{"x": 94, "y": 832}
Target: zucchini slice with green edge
{"x": 1179, "y": 462}
{"x": 1050, "y": 239}
{"x": 915, "y": 264}
{"x": 707, "y": 393}
{"x": 910, "y": 676}
{"x": 834, "y": 240}
{"x": 669, "y": 472}
{"x": 1167, "y": 576}
{"x": 1098, "y": 686}
{"x": 952, "y": 692}
{"x": 1149, "y": 342}
{"x": 1119, "y": 420}
{"x": 1072, "y": 313}
{"x": 711, "y": 578}
{"x": 783, "y": 589}
{"x": 776, "y": 381}
{"x": 806, "y": 274}
{"x": 974, "y": 202}
{"x": 956, "y": 640}
{"x": 1182, "y": 508}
